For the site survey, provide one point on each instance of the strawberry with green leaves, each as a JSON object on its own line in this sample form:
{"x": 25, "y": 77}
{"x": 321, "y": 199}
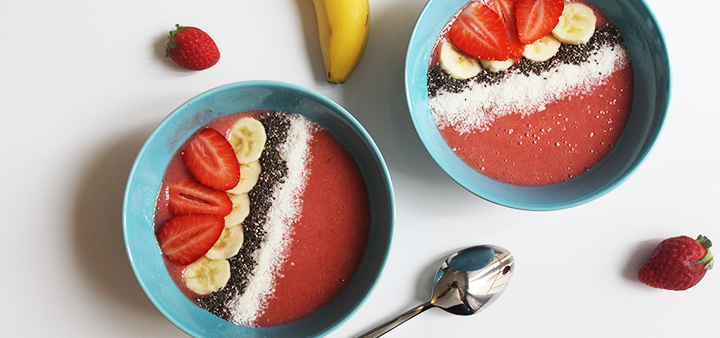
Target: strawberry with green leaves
{"x": 191, "y": 48}
{"x": 677, "y": 263}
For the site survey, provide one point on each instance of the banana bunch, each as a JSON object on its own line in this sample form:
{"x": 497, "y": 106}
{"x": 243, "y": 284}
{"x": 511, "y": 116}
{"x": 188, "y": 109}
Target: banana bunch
{"x": 344, "y": 26}
{"x": 212, "y": 272}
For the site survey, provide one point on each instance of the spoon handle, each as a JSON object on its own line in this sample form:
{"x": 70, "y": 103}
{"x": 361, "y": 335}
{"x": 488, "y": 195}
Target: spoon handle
{"x": 384, "y": 328}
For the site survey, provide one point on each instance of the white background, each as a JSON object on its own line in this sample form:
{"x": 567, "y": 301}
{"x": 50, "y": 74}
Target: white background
{"x": 83, "y": 83}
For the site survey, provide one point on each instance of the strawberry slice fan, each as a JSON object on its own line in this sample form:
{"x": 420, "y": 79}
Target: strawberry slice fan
{"x": 501, "y": 30}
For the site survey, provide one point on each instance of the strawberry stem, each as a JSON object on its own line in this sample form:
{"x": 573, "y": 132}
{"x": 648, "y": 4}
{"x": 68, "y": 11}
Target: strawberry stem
{"x": 170, "y": 42}
{"x": 704, "y": 241}
{"x": 707, "y": 260}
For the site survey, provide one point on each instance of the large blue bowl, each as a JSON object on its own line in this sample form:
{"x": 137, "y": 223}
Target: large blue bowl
{"x": 149, "y": 168}
{"x": 652, "y": 93}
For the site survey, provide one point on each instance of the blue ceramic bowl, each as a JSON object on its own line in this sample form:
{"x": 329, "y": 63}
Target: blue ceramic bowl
{"x": 652, "y": 93}
{"x": 148, "y": 171}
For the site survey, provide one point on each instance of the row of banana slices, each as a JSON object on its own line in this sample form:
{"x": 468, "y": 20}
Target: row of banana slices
{"x": 212, "y": 272}
{"x": 576, "y": 27}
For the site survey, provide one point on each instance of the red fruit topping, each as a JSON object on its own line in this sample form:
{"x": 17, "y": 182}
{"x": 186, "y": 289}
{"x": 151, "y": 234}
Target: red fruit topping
{"x": 677, "y": 263}
{"x": 537, "y": 18}
{"x": 480, "y": 32}
{"x": 186, "y": 238}
{"x": 191, "y": 197}
{"x": 211, "y": 159}
{"x": 506, "y": 10}
{"x": 192, "y": 48}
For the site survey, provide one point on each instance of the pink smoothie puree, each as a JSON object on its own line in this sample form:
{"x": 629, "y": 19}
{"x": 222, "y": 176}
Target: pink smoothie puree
{"x": 305, "y": 234}
{"x": 538, "y": 123}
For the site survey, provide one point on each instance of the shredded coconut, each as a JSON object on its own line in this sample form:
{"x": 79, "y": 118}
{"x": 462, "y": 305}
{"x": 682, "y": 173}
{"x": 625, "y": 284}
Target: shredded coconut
{"x": 287, "y": 204}
{"x": 481, "y": 103}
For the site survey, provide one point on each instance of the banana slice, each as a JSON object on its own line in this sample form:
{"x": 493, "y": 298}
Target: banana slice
{"x": 249, "y": 174}
{"x": 241, "y": 209}
{"x": 577, "y": 24}
{"x": 228, "y": 245}
{"x": 497, "y": 66}
{"x": 457, "y": 64}
{"x": 542, "y": 49}
{"x": 206, "y": 275}
{"x": 248, "y": 137}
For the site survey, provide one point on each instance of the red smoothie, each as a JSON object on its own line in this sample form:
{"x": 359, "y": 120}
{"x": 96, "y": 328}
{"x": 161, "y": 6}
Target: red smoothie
{"x": 550, "y": 146}
{"x": 538, "y": 123}
{"x": 329, "y": 238}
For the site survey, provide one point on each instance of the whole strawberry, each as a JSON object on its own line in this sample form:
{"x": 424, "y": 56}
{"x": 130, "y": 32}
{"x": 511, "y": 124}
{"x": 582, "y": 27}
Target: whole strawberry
{"x": 191, "y": 48}
{"x": 677, "y": 263}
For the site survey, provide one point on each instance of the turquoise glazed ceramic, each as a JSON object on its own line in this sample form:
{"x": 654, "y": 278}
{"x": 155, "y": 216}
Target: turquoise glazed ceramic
{"x": 652, "y": 93}
{"x": 149, "y": 168}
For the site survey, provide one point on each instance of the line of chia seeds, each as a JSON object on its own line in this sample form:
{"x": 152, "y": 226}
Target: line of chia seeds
{"x": 608, "y": 34}
{"x": 273, "y": 172}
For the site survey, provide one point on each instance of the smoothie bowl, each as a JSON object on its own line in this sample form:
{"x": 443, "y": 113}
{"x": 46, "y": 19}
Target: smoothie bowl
{"x": 258, "y": 209}
{"x": 553, "y": 121}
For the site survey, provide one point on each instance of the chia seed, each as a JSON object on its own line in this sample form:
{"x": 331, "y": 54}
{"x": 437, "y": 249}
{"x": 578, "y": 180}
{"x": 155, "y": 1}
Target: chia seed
{"x": 273, "y": 172}
{"x": 440, "y": 81}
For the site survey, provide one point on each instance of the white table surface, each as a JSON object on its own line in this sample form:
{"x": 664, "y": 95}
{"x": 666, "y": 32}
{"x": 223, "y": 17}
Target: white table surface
{"x": 84, "y": 83}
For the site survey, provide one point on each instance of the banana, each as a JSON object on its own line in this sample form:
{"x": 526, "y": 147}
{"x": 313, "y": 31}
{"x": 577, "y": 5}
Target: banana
{"x": 344, "y": 27}
{"x": 542, "y": 49}
{"x": 577, "y": 24}
{"x": 497, "y": 66}
{"x": 241, "y": 209}
{"x": 228, "y": 245}
{"x": 456, "y": 63}
{"x": 206, "y": 275}
{"x": 247, "y": 136}
{"x": 249, "y": 174}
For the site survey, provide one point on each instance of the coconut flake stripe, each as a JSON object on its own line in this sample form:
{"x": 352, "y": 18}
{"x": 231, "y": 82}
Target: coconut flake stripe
{"x": 286, "y": 206}
{"x": 475, "y": 107}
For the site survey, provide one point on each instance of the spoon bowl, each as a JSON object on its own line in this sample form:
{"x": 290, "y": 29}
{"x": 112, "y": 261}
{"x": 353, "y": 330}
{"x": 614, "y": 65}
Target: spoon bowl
{"x": 466, "y": 282}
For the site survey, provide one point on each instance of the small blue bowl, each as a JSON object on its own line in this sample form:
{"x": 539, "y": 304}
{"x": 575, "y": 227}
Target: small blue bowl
{"x": 149, "y": 168}
{"x": 652, "y": 94}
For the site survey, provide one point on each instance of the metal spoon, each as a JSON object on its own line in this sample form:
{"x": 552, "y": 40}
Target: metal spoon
{"x": 465, "y": 283}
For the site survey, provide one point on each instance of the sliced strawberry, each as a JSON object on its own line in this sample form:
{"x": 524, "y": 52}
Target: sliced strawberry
{"x": 186, "y": 238}
{"x": 191, "y": 197}
{"x": 537, "y": 18}
{"x": 479, "y": 31}
{"x": 506, "y": 10}
{"x": 211, "y": 160}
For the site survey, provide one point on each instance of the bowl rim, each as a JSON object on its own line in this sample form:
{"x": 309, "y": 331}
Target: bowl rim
{"x": 416, "y": 47}
{"x": 387, "y": 193}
